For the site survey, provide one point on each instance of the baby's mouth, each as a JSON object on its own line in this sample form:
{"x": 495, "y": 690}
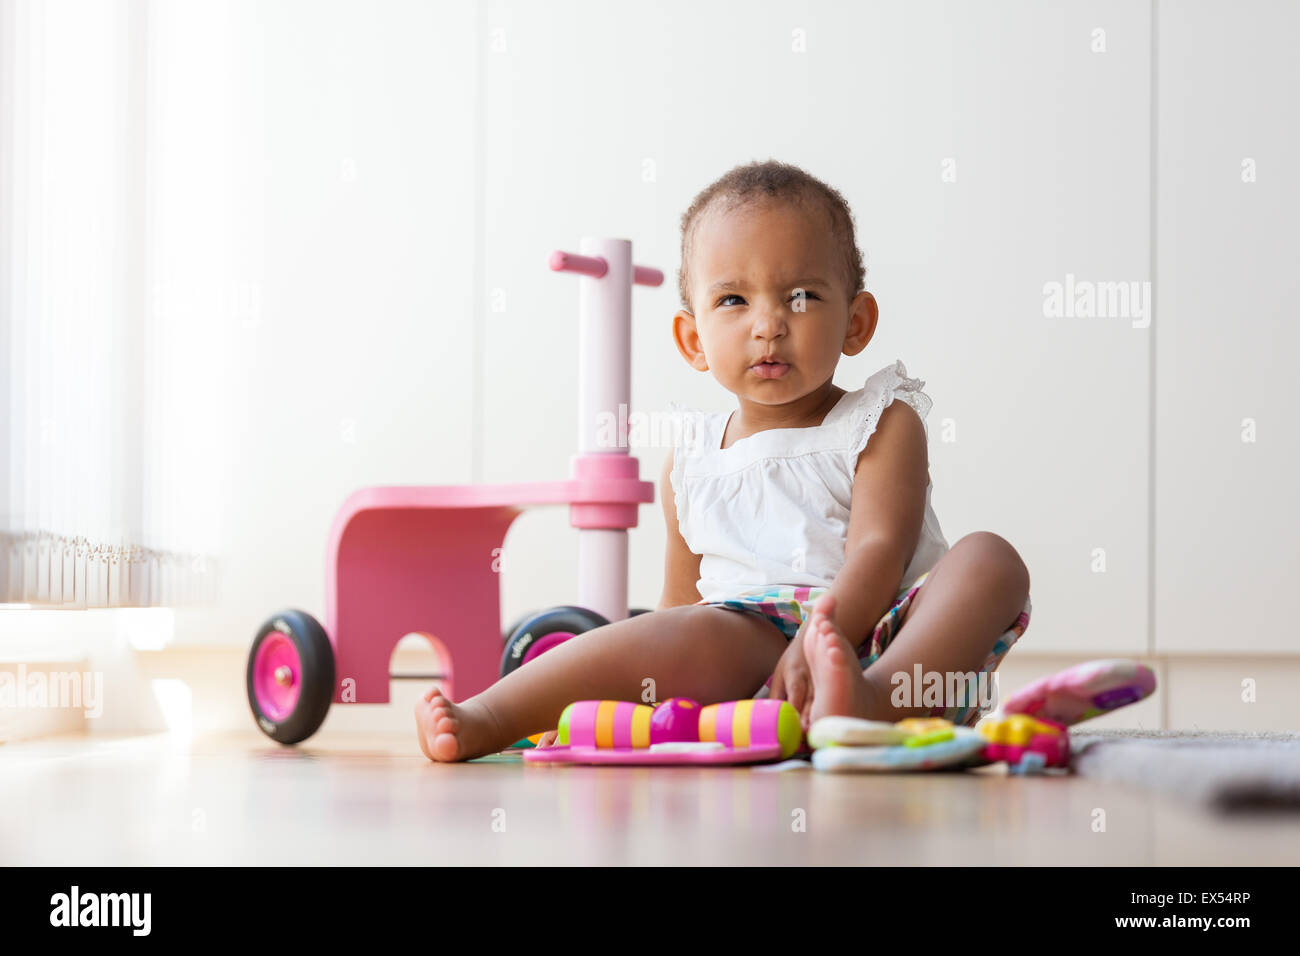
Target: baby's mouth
{"x": 770, "y": 369}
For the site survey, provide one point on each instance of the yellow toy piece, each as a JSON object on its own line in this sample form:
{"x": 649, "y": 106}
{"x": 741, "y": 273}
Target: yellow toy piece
{"x": 1016, "y": 730}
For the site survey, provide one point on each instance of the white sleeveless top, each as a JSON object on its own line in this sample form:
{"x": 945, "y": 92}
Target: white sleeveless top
{"x": 773, "y": 509}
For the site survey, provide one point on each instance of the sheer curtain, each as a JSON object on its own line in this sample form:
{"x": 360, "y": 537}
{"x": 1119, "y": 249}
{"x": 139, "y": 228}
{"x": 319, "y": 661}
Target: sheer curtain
{"x": 101, "y": 495}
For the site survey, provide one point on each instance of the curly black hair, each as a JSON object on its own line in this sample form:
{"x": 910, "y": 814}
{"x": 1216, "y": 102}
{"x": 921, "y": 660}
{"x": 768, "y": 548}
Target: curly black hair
{"x": 774, "y": 181}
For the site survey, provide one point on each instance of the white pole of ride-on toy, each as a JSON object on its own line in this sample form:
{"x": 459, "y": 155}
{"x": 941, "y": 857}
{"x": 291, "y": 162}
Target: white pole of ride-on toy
{"x": 604, "y": 389}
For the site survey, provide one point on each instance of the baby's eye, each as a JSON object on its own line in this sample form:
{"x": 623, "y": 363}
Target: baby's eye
{"x": 807, "y": 295}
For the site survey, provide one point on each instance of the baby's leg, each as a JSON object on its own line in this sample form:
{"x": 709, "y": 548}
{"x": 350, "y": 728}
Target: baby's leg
{"x": 709, "y": 654}
{"x": 972, "y": 596}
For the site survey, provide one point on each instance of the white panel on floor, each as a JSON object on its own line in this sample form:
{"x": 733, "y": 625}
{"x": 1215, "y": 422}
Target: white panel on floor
{"x": 1241, "y": 693}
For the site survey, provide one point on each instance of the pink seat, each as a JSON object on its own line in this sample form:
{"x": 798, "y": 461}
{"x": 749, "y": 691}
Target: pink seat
{"x": 423, "y": 559}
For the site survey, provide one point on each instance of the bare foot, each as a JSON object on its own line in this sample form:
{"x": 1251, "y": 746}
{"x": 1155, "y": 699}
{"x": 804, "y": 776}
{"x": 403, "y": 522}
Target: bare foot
{"x": 839, "y": 689}
{"x": 450, "y": 732}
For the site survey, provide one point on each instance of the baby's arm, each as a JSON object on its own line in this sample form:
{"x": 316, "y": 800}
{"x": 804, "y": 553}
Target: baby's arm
{"x": 885, "y": 516}
{"x": 681, "y": 567}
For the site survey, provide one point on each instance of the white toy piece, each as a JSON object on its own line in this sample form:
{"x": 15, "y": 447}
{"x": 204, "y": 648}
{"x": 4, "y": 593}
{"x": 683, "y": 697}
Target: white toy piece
{"x": 848, "y": 744}
{"x": 687, "y": 746}
{"x": 855, "y": 732}
{"x": 960, "y": 748}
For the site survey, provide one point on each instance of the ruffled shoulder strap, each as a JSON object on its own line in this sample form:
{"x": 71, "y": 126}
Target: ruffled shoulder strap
{"x": 692, "y": 432}
{"x": 874, "y": 397}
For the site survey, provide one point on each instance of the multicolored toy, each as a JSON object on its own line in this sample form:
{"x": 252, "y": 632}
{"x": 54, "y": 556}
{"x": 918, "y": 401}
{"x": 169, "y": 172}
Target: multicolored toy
{"x": 1030, "y": 733}
{"x": 1025, "y": 743}
{"x": 677, "y": 731}
{"x": 1084, "y": 691}
{"x": 927, "y": 744}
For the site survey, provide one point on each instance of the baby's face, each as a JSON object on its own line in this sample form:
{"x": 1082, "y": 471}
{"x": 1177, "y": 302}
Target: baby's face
{"x": 748, "y": 267}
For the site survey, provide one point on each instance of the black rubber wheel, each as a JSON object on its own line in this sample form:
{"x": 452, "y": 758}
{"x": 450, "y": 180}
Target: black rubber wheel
{"x": 565, "y": 618}
{"x": 295, "y": 641}
{"x": 633, "y": 612}
{"x": 509, "y": 631}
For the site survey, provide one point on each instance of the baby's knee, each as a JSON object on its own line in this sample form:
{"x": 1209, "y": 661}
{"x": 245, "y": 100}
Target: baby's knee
{"x": 996, "y": 560}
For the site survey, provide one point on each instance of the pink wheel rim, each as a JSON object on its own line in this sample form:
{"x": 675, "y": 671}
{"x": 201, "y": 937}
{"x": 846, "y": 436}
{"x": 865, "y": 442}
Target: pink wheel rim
{"x": 276, "y": 697}
{"x": 544, "y": 644}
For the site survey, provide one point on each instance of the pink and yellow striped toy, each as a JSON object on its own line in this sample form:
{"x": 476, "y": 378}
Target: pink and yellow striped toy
{"x": 677, "y": 731}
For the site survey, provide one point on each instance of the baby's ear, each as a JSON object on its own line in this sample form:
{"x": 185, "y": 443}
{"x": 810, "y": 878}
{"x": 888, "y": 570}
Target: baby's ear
{"x": 863, "y": 315}
{"x": 687, "y": 338}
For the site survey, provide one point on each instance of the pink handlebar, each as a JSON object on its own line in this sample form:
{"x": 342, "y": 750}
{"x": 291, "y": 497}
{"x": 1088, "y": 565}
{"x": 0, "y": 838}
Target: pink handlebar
{"x": 596, "y": 267}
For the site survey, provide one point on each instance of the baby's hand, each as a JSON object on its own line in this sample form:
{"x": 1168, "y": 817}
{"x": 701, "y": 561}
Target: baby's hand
{"x": 792, "y": 679}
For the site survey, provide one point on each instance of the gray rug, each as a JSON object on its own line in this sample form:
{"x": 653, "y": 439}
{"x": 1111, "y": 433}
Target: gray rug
{"x": 1224, "y": 771}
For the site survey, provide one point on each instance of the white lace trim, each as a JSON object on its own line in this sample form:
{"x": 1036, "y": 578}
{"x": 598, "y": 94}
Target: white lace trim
{"x": 894, "y": 383}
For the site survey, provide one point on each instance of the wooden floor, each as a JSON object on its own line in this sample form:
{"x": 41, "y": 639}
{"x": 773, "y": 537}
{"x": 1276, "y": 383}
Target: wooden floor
{"x": 350, "y": 799}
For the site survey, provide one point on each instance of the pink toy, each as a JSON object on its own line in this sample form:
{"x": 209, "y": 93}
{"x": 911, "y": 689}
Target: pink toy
{"x": 677, "y": 731}
{"x": 651, "y": 758}
{"x": 420, "y": 559}
{"x": 1084, "y": 691}
{"x": 676, "y": 719}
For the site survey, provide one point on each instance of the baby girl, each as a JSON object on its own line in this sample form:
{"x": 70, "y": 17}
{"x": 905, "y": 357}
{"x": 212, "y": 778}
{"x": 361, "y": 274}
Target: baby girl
{"x": 801, "y": 540}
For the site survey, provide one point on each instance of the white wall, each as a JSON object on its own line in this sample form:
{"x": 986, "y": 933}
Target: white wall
{"x": 348, "y": 302}
{"x": 420, "y": 161}
{"x": 1227, "y": 516}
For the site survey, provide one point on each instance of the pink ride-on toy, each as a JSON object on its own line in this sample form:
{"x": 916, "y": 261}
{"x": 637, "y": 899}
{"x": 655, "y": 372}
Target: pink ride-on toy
{"x": 420, "y": 559}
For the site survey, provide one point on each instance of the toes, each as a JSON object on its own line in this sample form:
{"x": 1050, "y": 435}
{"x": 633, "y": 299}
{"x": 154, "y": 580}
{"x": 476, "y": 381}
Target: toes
{"x": 446, "y": 724}
{"x": 439, "y": 727}
{"x": 825, "y": 604}
{"x": 445, "y": 747}
{"x": 815, "y": 639}
{"x": 810, "y": 642}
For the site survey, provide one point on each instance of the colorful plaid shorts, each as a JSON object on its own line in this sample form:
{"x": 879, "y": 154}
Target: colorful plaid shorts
{"x": 787, "y": 606}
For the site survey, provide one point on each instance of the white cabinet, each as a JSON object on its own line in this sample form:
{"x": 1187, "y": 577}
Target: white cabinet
{"x": 1228, "y": 446}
